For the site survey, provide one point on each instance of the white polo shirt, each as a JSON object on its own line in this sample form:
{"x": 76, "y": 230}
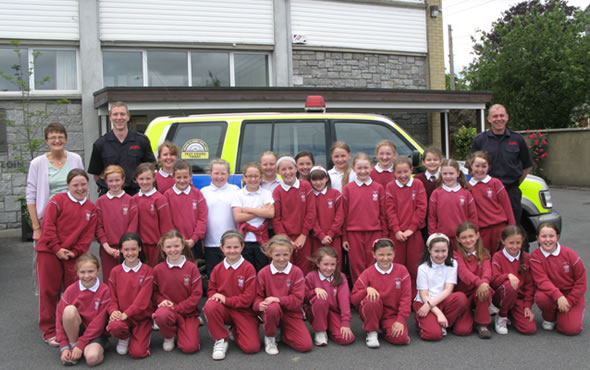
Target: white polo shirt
{"x": 336, "y": 178}
{"x": 220, "y": 217}
{"x": 434, "y": 278}
{"x": 255, "y": 199}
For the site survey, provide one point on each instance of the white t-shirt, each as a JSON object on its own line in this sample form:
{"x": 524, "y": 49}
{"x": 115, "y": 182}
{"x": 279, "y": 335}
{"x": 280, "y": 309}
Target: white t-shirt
{"x": 220, "y": 217}
{"x": 434, "y": 278}
{"x": 336, "y": 178}
{"x": 256, "y": 199}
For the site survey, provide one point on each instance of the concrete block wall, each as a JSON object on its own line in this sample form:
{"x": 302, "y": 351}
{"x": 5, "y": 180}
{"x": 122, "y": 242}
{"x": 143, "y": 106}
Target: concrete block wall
{"x": 12, "y": 181}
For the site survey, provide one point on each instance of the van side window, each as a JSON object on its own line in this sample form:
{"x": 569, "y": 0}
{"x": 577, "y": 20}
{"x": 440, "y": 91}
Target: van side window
{"x": 363, "y": 136}
{"x": 199, "y": 143}
{"x": 295, "y": 137}
{"x": 281, "y": 137}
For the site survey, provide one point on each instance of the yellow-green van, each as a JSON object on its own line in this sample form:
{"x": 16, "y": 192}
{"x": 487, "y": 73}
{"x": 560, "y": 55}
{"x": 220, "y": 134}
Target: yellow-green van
{"x": 240, "y": 138}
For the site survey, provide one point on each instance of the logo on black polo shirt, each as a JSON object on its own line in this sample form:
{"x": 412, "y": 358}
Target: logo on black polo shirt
{"x": 513, "y": 143}
{"x": 134, "y": 147}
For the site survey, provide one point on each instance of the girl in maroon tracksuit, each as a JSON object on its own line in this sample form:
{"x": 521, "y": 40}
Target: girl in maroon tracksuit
{"x": 280, "y": 289}
{"x": 560, "y": 277}
{"x": 382, "y": 295}
{"x": 153, "y": 212}
{"x": 116, "y": 212}
{"x": 364, "y": 216}
{"x": 295, "y": 212}
{"x": 513, "y": 283}
{"x": 494, "y": 210}
{"x": 475, "y": 273}
{"x": 188, "y": 208}
{"x": 327, "y": 299}
{"x": 130, "y": 311}
{"x": 82, "y": 315}
{"x": 231, "y": 291}
{"x": 69, "y": 224}
{"x": 451, "y": 203}
{"x": 405, "y": 206}
{"x": 330, "y": 213}
{"x": 177, "y": 292}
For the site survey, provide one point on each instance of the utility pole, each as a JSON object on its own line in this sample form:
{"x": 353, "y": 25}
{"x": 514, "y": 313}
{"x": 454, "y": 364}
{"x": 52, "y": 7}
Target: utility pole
{"x": 451, "y": 67}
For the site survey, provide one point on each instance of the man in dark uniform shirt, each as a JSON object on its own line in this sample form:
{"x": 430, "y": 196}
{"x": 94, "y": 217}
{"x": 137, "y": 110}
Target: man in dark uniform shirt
{"x": 511, "y": 161}
{"x": 122, "y": 147}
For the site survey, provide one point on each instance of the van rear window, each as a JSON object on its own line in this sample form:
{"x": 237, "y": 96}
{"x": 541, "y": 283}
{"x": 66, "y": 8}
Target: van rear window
{"x": 199, "y": 142}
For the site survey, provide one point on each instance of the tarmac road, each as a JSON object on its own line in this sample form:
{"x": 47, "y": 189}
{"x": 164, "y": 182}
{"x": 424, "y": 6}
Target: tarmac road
{"x": 21, "y": 346}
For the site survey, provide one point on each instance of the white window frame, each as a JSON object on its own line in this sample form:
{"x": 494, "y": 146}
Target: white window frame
{"x": 189, "y": 52}
{"x": 31, "y": 64}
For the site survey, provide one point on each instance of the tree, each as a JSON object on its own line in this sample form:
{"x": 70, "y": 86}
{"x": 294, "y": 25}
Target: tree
{"x": 536, "y": 62}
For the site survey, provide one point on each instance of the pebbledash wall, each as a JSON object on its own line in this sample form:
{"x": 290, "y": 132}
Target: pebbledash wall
{"x": 364, "y": 70}
{"x": 13, "y": 181}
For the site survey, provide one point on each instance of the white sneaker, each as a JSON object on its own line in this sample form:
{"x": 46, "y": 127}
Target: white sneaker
{"x": 321, "y": 338}
{"x": 155, "y": 326}
{"x": 493, "y": 309}
{"x": 168, "y": 344}
{"x": 219, "y": 349}
{"x": 501, "y": 325}
{"x": 444, "y": 332}
{"x": 122, "y": 346}
{"x": 548, "y": 325}
{"x": 372, "y": 340}
{"x": 270, "y": 346}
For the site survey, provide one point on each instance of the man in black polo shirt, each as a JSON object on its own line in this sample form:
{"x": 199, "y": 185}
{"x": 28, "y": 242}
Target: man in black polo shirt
{"x": 121, "y": 147}
{"x": 511, "y": 161}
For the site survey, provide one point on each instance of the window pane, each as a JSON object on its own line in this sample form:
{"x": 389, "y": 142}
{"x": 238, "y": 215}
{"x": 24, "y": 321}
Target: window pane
{"x": 294, "y": 137}
{"x": 364, "y": 136}
{"x": 199, "y": 142}
{"x": 210, "y": 69}
{"x": 10, "y": 67}
{"x": 122, "y": 68}
{"x": 167, "y": 68}
{"x": 256, "y": 139}
{"x": 55, "y": 70}
{"x": 251, "y": 69}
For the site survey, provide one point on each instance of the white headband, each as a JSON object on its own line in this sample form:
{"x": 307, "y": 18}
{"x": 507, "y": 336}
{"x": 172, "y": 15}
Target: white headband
{"x": 435, "y": 236}
{"x": 286, "y": 158}
{"x": 318, "y": 168}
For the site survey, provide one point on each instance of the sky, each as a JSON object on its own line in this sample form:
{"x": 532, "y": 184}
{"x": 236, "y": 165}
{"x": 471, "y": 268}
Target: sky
{"x": 467, "y": 16}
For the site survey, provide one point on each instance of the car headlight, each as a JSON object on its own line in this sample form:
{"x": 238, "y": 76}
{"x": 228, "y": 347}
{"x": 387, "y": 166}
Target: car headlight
{"x": 545, "y": 196}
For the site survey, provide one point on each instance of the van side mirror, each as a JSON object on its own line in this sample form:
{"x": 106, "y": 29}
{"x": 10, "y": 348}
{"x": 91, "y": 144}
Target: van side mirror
{"x": 416, "y": 158}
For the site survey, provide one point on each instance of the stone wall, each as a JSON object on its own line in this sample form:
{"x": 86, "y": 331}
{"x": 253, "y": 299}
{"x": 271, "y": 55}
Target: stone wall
{"x": 360, "y": 70}
{"x": 13, "y": 181}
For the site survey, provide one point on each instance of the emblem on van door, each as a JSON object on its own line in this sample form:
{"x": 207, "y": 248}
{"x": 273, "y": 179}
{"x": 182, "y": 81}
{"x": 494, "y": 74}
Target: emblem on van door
{"x": 195, "y": 149}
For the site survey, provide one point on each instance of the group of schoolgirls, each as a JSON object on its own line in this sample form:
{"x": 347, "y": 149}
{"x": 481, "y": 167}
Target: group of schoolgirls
{"x": 309, "y": 219}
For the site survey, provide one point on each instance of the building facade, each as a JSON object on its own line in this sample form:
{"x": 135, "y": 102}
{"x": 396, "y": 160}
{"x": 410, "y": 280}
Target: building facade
{"x": 74, "y": 48}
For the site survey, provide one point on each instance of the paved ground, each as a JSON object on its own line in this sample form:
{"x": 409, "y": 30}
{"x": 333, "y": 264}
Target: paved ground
{"x": 21, "y": 346}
